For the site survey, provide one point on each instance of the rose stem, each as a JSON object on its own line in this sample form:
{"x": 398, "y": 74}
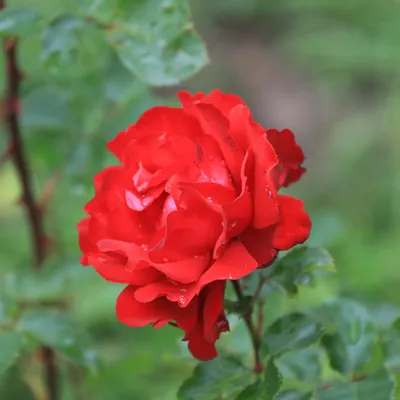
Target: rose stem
{"x": 11, "y": 114}
{"x": 254, "y": 336}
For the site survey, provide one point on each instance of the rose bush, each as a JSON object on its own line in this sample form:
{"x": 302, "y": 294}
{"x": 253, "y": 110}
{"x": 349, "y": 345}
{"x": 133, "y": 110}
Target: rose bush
{"x": 193, "y": 203}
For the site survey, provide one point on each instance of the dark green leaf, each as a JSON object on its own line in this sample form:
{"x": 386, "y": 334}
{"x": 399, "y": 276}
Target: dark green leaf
{"x": 356, "y": 333}
{"x": 252, "y": 392}
{"x": 60, "y": 40}
{"x": 292, "y": 331}
{"x": 13, "y": 386}
{"x": 156, "y": 41}
{"x": 18, "y": 21}
{"x": 302, "y": 365}
{"x": 336, "y": 349}
{"x": 272, "y": 381}
{"x": 297, "y": 266}
{"x": 238, "y": 307}
{"x": 294, "y": 395}
{"x": 10, "y": 347}
{"x": 379, "y": 386}
{"x": 59, "y": 332}
{"x": 214, "y": 379}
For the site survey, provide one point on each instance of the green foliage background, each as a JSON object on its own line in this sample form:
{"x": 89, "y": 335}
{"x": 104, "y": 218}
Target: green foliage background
{"x": 91, "y": 67}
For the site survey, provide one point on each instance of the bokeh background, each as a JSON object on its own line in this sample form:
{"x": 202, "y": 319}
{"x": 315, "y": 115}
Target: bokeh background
{"x": 327, "y": 69}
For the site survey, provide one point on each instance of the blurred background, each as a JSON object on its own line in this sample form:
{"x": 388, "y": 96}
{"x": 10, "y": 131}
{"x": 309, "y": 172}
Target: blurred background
{"x": 327, "y": 69}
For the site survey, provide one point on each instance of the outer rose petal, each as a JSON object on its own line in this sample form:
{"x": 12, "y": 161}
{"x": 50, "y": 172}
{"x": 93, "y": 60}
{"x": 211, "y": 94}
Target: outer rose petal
{"x": 132, "y": 313}
{"x": 294, "y": 226}
{"x": 213, "y": 305}
{"x": 290, "y": 155}
{"x": 223, "y": 101}
{"x": 199, "y": 347}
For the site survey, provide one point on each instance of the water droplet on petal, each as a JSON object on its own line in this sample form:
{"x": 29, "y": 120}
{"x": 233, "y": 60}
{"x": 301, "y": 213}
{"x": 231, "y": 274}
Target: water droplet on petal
{"x": 182, "y": 300}
{"x": 233, "y": 224}
{"x": 183, "y": 290}
{"x": 209, "y": 199}
{"x": 210, "y": 157}
{"x": 144, "y": 247}
{"x": 164, "y": 259}
{"x": 230, "y": 276}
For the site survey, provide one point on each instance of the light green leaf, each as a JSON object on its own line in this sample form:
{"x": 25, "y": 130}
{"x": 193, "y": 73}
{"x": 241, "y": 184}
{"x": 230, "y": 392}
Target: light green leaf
{"x": 379, "y": 386}
{"x": 10, "y": 347}
{"x": 12, "y": 386}
{"x": 156, "y": 41}
{"x": 45, "y": 108}
{"x": 356, "y": 335}
{"x": 302, "y": 365}
{"x": 58, "y": 331}
{"x": 8, "y": 308}
{"x": 18, "y": 21}
{"x": 391, "y": 346}
{"x": 60, "y": 40}
{"x": 294, "y": 395}
{"x": 297, "y": 267}
{"x": 101, "y": 10}
{"x": 212, "y": 380}
{"x": 290, "y": 332}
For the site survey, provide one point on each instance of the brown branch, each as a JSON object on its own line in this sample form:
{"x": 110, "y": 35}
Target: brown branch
{"x": 254, "y": 334}
{"x": 11, "y": 117}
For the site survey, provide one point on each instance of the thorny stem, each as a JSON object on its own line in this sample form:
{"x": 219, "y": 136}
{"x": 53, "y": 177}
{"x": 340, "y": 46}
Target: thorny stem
{"x": 11, "y": 116}
{"x": 254, "y": 334}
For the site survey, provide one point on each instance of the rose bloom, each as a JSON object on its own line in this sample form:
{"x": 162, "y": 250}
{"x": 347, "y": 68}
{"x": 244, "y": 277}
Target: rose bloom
{"x": 192, "y": 204}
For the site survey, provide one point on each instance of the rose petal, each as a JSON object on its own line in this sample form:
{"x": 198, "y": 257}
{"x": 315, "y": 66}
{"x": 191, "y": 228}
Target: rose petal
{"x": 290, "y": 156}
{"x": 132, "y": 313}
{"x": 294, "y": 225}
{"x": 258, "y": 243}
{"x": 199, "y": 347}
{"x": 213, "y": 305}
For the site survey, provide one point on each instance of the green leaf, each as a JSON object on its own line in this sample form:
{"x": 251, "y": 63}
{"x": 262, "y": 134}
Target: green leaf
{"x": 12, "y": 386}
{"x": 272, "y": 381}
{"x": 10, "y": 348}
{"x": 18, "y": 21}
{"x": 156, "y": 41}
{"x": 290, "y": 332}
{"x": 355, "y": 337}
{"x": 379, "y": 386}
{"x": 251, "y": 392}
{"x": 212, "y": 380}
{"x": 8, "y": 308}
{"x": 239, "y": 306}
{"x": 58, "y": 331}
{"x": 101, "y": 10}
{"x": 45, "y": 108}
{"x": 391, "y": 346}
{"x": 60, "y": 40}
{"x": 336, "y": 350}
{"x": 297, "y": 266}
{"x": 302, "y": 365}
{"x": 294, "y": 395}
{"x": 266, "y": 388}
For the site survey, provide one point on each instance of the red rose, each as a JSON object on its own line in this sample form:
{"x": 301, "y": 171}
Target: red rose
{"x": 193, "y": 203}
